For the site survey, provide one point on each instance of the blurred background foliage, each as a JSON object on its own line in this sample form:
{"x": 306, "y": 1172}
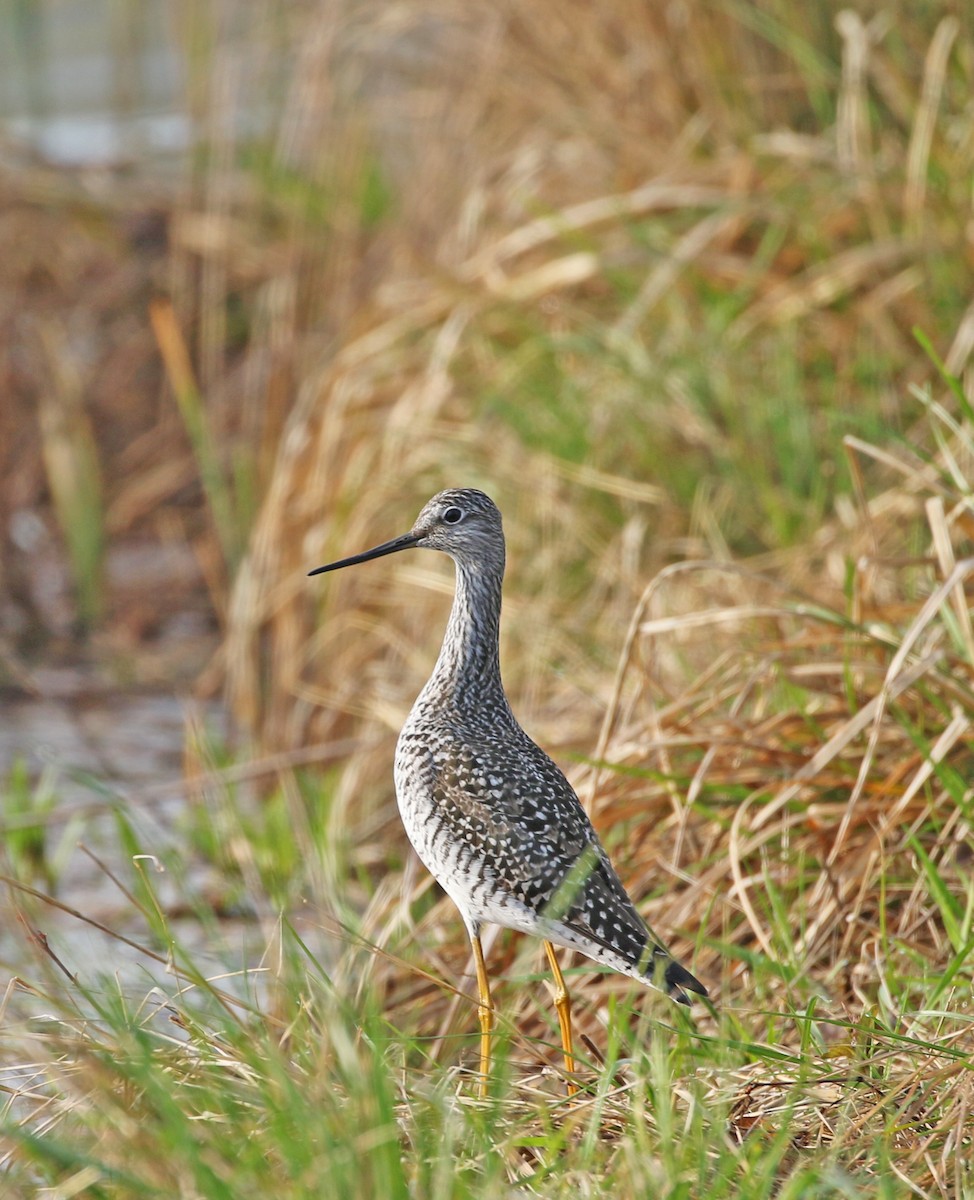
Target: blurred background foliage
{"x": 635, "y": 269}
{"x": 686, "y": 287}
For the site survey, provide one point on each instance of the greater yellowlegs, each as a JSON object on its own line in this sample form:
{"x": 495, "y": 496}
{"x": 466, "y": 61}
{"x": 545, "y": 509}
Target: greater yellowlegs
{"x": 491, "y": 816}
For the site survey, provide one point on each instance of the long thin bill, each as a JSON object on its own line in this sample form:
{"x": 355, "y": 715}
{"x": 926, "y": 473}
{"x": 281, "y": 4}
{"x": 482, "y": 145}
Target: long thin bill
{"x": 399, "y": 543}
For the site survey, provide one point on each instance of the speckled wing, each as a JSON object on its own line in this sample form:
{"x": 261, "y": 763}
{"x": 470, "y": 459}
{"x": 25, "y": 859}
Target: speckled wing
{"x": 531, "y": 842}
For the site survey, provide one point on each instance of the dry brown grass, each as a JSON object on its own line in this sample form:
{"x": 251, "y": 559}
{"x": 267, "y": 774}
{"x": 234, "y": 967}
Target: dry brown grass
{"x": 759, "y": 744}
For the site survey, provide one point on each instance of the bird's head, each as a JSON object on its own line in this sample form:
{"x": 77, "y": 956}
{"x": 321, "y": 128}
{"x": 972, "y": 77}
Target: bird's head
{"x": 462, "y": 522}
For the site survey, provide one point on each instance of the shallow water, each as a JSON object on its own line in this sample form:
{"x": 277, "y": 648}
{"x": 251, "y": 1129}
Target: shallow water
{"x": 91, "y": 82}
{"x": 98, "y": 754}
{"x": 89, "y": 754}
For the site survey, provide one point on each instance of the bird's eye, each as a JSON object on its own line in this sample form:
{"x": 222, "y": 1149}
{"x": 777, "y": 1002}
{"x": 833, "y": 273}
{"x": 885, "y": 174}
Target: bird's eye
{"x": 453, "y": 516}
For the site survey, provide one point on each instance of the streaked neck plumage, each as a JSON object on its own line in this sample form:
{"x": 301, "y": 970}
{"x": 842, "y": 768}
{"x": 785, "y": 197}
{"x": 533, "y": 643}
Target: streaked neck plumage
{"x": 467, "y": 671}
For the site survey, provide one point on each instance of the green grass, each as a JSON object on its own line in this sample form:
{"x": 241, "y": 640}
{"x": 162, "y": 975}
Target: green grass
{"x": 309, "y": 1067}
{"x": 33, "y": 854}
{"x": 197, "y": 1097}
{"x": 74, "y": 475}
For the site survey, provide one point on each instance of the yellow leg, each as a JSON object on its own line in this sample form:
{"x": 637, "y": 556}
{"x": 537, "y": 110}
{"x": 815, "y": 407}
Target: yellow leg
{"x": 563, "y": 1006}
{"x": 485, "y": 1012}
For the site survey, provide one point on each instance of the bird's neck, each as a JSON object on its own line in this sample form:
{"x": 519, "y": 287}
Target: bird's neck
{"x": 468, "y": 667}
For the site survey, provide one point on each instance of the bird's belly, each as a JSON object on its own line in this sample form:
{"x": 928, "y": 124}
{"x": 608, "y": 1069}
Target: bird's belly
{"x": 465, "y": 869}
{"x": 479, "y": 890}
{"x": 453, "y": 862}
{"x": 485, "y": 882}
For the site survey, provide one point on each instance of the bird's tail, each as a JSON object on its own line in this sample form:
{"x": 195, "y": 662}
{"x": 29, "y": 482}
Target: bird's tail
{"x": 673, "y": 978}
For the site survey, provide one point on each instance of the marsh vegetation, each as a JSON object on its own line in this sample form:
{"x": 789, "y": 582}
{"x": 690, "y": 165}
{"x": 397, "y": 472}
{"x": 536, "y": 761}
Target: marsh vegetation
{"x": 686, "y": 289}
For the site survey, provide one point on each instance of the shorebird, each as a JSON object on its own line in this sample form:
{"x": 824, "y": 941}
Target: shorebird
{"x": 490, "y": 815}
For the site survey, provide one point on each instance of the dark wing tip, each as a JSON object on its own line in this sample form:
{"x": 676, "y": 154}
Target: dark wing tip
{"x": 678, "y": 978}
